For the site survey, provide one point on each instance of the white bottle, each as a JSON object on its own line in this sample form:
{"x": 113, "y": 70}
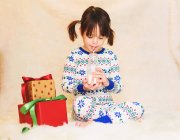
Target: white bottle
{"x": 92, "y": 64}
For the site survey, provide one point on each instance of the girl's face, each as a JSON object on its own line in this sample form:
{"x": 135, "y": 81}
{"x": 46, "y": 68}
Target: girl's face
{"x": 93, "y": 43}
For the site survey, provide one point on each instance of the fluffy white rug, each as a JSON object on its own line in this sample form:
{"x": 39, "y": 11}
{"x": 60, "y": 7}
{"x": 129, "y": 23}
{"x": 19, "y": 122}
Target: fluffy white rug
{"x": 154, "y": 126}
{"x": 147, "y": 43}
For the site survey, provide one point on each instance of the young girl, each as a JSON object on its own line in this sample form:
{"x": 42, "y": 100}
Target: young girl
{"x": 93, "y": 100}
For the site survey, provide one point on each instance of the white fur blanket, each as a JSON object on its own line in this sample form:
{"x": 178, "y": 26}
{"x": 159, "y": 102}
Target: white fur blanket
{"x": 155, "y": 125}
{"x": 34, "y": 42}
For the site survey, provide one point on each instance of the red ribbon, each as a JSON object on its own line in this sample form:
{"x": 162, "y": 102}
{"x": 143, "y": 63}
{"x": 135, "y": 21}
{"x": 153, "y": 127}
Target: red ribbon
{"x": 28, "y": 79}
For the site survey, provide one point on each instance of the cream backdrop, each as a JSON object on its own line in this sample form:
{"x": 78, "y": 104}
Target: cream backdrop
{"x": 34, "y": 42}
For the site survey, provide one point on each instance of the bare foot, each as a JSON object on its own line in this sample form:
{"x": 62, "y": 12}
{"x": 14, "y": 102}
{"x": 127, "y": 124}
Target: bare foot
{"x": 82, "y": 124}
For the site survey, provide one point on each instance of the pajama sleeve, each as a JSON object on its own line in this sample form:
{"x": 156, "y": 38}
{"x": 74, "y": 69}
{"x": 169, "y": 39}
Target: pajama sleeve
{"x": 68, "y": 79}
{"x": 114, "y": 76}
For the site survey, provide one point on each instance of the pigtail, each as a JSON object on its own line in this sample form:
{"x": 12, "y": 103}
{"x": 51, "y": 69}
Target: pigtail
{"x": 72, "y": 31}
{"x": 111, "y": 37}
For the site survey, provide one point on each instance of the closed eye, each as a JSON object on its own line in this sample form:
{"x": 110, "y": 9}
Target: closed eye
{"x": 89, "y": 36}
{"x": 101, "y": 37}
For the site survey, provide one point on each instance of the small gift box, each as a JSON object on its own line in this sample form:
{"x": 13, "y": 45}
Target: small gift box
{"x": 37, "y": 88}
{"x": 44, "y": 112}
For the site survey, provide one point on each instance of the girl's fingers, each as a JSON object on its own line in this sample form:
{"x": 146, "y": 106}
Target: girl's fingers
{"x": 100, "y": 81}
{"x": 94, "y": 87}
{"x": 100, "y": 78}
{"x": 100, "y": 85}
{"x": 88, "y": 87}
{"x": 98, "y": 72}
{"x": 97, "y": 85}
{"x": 97, "y": 76}
{"x": 99, "y": 69}
{"x": 84, "y": 81}
{"x": 100, "y": 75}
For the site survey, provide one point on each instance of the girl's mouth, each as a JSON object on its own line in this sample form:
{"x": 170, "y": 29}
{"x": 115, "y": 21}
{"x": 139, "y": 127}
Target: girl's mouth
{"x": 93, "y": 48}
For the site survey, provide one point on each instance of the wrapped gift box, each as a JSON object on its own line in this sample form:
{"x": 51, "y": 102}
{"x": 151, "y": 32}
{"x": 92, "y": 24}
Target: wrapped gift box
{"x": 37, "y": 88}
{"x": 51, "y": 113}
{"x": 40, "y": 89}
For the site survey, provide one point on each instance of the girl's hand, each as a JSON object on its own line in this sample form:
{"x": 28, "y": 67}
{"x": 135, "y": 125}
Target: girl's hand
{"x": 101, "y": 77}
{"x": 88, "y": 87}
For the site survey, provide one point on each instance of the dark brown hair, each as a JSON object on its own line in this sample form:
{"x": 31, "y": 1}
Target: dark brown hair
{"x": 92, "y": 17}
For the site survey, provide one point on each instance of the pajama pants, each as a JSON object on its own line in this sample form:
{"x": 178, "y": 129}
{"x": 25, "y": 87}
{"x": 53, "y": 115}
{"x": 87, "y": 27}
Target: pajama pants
{"x": 93, "y": 107}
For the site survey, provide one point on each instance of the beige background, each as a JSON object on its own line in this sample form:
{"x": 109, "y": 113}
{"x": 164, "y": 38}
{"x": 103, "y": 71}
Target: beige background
{"x": 34, "y": 42}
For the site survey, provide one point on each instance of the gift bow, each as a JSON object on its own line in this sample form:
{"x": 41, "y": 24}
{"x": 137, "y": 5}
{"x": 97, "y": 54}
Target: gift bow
{"x": 28, "y": 79}
{"x": 46, "y": 77}
{"x": 30, "y": 106}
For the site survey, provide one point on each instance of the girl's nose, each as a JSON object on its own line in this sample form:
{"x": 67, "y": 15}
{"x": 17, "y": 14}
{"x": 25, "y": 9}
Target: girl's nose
{"x": 95, "y": 40}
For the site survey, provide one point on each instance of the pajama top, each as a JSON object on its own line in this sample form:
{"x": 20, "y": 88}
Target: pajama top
{"x": 75, "y": 70}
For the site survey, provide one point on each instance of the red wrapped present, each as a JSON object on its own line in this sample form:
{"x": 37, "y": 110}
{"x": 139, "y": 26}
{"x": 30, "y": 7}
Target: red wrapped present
{"x": 52, "y": 112}
{"x": 36, "y": 88}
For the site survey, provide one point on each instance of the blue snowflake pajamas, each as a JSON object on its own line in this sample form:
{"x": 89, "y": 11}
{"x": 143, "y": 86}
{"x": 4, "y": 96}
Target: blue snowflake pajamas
{"x": 89, "y": 108}
{"x": 90, "y": 105}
